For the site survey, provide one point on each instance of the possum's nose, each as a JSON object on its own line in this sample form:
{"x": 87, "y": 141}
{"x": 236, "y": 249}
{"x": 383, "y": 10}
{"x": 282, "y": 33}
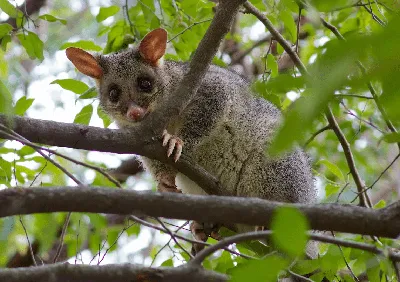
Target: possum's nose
{"x": 135, "y": 113}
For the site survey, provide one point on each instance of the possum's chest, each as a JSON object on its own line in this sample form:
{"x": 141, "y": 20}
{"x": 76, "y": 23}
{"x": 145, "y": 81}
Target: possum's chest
{"x": 223, "y": 155}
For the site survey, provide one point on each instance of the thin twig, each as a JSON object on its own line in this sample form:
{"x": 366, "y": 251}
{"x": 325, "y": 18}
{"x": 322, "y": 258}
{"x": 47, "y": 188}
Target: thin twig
{"x": 127, "y": 16}
{"x": 352, "y": 96}
{"x": 29, "y": 242}
{"x": 37, "y": 147}
{"x": 115, "y": 242}
{"x": 315, "y": 134}
{"x": 380, "y": 175}
{"x": 299, "y": 277}
{"x": 236, "y": 59}
{"x": 364, "y": 200}
{"x": 63, "y": 232}
{"x": 22, "y": 140}
{"x": 193, "y": 241}
{"x": 349, "y": 112}
{"x": 189, "y": 27}
{"x": 173, "y": 237}
{"x": 345, "y": 260}
{"x": 298, "y": 30}
{"x": 277, "y": 36}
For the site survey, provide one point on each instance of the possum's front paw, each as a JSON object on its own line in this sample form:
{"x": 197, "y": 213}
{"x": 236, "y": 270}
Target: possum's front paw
{"x": 174, "y": 143}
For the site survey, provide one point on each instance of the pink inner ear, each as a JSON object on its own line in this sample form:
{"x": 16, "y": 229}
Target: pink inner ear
{"x": 153, "y": 46}
{"x": 84, "y": 62}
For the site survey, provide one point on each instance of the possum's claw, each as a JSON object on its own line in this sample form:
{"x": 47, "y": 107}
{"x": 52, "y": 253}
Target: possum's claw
{"x": 174, "y": 143}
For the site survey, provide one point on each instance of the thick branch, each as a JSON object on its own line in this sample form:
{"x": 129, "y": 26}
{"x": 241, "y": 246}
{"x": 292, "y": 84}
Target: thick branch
{"x": 252, "y": 211}
{"x": 107, "y": 140}
{"x": 111, "y": 272}
{"x": 202, "y": 58}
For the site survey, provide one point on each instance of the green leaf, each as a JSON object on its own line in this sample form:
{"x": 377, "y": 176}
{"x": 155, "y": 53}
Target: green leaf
{"x": 106, "y": 12}
{"x": 84, "y": 116}
{"x": 106, "y": 119}
{"x": 391, "y": 137}
{"x": 32, "y": 44}
{"x": 5, "y": 99}
{"x": 73, "y": 85}
{"x": 168, "y": 262}
{"x": 4, "y": 41}
{"x": 224, "y": 262}
{"x": 289, "y": 228}
{"x": 331, "y": 189}
{"x": 10, "y": 10}
{"x": 89, "y": 94}
{"x": 22, "y": 105}
{"x": 5, "y": 29}
{"x": 26, "y": 150}
{"x": 327, "y": 6}
{"x": 259, "y": 270}
{"x": 288, "y": 20}
{"x": 333, "y": 168}
{"x": 272, "y": 65}
{"x": 50, "y": 18}
{"x": 380, "y": 205}
{"x": 5, "y": 170}
{"x": 83, "y": 44}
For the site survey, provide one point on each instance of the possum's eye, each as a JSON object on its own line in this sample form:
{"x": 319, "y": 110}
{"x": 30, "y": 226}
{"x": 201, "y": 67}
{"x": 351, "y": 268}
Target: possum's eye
{"x": 113, "y": 93}
{"x": 144, "y": 84}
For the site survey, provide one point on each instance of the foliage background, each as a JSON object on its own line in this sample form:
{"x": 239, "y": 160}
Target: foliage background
{"x": 37, "y": 81}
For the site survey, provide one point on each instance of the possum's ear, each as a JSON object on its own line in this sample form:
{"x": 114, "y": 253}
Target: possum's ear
{"x": 152, "y": 47}
{"x": 84, "y": 62}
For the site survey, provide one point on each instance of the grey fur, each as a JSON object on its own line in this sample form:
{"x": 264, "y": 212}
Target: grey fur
{"x": 225, "y": 129}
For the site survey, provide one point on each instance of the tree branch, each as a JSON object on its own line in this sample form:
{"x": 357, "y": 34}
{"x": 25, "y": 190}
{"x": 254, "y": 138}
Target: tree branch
{"x": 231, "y": 210}
{"x": 258, "y": 235}
{"x": 105, "y": 273}
{"x": 99, "y": 139}
{"x": 173, "y": 105}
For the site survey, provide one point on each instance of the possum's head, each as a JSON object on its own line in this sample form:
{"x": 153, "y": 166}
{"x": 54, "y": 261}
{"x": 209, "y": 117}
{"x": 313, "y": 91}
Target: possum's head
{"x": 128, "y": 81}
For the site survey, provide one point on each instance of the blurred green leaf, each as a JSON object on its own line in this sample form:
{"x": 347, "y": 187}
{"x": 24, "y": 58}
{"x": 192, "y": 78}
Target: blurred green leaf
{"x": 333, "y": 168}
{"x": 5, "y": 99}
{"x": 4, "y": 41}
{"x": 106, "y": 12}
{"x": 22, "y": 105}
{"x": 328, "y": 6}
{"x": 84, "y": 116}
{"x": 104, "y": 117}
{"x": 272, "y": 65}
{"x": 83, "y": 44}
{"x": 167, "y": 263}
{"x": 224, "y": 262}
{"x": 10, "y": 10}
{"x": 288, "y": 20}
{"x": 5, "y": 29}
{"x": 89, "y": 94}
{"x": 73, "y": 85}
{"x": 380, "y": 205}
{"x": 32, "y": 44}
{"x": 331, "y": 189}
{"x": 289, "y": 228}
{"x": 391, "y": 137}
{"x": 259, "y": 270}
{"x": 51, "y": 18}
{"x": 26, "y": 150}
